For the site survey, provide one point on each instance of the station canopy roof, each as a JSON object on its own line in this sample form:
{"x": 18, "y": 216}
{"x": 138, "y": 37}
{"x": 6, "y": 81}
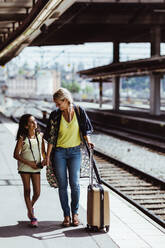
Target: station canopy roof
{"x": 64, "y": 22}
{"x": 125, "y": 69}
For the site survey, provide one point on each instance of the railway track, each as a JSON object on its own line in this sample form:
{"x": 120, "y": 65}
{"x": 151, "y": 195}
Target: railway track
{"x": 144, "y": 191}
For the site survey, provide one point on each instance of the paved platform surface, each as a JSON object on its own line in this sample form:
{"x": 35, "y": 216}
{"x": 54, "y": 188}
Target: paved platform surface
{"x": 129, "y": 227}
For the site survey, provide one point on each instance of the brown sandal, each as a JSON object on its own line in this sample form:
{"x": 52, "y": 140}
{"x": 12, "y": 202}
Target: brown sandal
{"x": 66, "y": 222}
{"x": 75, "y": 220}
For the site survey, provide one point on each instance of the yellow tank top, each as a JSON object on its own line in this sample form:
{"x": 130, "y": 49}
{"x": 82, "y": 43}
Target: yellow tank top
{"x": 69, "y": 134}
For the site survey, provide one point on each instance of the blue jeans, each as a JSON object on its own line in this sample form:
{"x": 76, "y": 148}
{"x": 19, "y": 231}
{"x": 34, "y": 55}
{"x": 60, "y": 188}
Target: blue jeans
{"x": 68, "y": 159}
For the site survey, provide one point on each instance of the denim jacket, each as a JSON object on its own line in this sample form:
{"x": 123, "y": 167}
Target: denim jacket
{"x": 52, "y": 129}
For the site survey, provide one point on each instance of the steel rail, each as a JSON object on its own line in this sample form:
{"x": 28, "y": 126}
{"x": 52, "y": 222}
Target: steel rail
{"x": 141, "y": 208}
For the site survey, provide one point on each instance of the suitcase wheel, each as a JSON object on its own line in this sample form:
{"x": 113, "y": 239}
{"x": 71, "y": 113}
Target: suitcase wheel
{"x": 107, "y": 228}
{"x": 92, "y": 228}
{"x": 87, "y": 228}
{"x": 96, "y": 229}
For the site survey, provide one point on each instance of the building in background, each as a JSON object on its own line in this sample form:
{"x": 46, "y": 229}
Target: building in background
{"x": 56, "y": 80}
{"x": 47, "y": 82}
{"x": 21, "y": 86}
{"x": 32, "y": 84}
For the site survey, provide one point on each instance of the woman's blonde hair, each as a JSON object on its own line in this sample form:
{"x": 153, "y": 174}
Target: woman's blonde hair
{"x": 62, "y": 94}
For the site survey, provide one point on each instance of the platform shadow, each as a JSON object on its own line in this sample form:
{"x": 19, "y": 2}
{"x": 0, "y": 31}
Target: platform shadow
{"x": 23, "y": 228}
{"x": 46, "y": 230}
{"x": 70, "y": 232}
{"x": 80, "y": 232}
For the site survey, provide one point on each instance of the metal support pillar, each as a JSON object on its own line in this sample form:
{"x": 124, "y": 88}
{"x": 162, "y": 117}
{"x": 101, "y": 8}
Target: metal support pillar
{"x": 116, "y": 52}
{"x": 116, "y": 80}
{"x": 116, "y": 93}
{"x": 155, "y": 78}
{"x": 155, "y": 94}
{"x": 100, "y": 93}
{"x": 155, "y": 41}
{"x": 13, "y": 26}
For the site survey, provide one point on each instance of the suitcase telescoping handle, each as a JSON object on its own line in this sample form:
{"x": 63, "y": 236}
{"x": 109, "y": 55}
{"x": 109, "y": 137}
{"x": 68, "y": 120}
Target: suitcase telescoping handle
{"x": 93, "y": 168}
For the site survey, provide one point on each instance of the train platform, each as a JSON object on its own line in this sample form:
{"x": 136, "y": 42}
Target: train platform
{"x": 129, "y": 228}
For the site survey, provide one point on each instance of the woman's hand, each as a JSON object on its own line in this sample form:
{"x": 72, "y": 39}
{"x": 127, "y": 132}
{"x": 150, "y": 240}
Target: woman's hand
{"x": 91, "y": 145}
{"x": 47, "y": 160}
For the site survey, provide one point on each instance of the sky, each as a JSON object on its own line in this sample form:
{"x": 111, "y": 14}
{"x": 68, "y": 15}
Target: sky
{"x": 91, "y": 54}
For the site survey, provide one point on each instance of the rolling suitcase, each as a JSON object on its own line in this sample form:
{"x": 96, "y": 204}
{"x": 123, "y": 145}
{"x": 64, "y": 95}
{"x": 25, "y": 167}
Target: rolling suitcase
{"x": 98, "y": 217}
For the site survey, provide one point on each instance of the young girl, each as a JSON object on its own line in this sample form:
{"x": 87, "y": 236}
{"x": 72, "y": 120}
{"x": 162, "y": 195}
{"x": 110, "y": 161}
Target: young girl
{"x": 29, "y": 151}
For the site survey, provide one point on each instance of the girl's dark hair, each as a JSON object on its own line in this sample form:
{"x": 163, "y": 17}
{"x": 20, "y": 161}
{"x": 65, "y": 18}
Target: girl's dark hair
{"x": 22, "y": 130}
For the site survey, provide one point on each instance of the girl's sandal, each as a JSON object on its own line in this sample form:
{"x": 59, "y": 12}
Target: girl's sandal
{"x": 34, "y": 222}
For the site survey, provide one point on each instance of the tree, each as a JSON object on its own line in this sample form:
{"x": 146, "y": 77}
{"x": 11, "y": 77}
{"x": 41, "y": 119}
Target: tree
{"x": 73, "y": 87}
{"x": 88, "y": 89}
{"x": 136, "y": 83}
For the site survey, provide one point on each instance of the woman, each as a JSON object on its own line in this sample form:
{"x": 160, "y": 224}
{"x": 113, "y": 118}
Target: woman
{"x": 65, "y": 128}
{"x": 29, "y": 151}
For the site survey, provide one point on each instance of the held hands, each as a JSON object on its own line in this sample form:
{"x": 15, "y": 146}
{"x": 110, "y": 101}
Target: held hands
{"x": 44, "y": 162}
{"x": 47, "y": 160}
{"x": 33, "y": 164}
